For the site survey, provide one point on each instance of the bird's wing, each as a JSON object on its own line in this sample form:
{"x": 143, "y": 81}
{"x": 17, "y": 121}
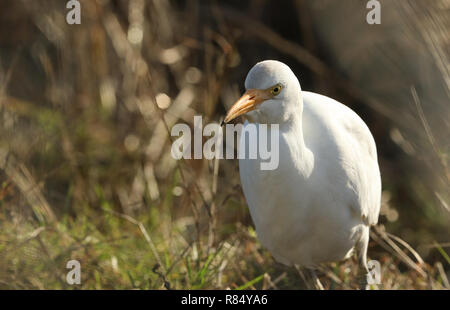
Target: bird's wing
{"x": 357, "y": 154}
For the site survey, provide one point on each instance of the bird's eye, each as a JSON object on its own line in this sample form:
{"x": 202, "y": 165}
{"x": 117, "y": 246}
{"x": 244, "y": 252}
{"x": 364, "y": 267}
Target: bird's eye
{"x": 276, "y": 89}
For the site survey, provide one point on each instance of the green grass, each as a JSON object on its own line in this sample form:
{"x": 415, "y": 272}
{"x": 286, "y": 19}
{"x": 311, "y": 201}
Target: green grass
{"x": 114, "y": 254}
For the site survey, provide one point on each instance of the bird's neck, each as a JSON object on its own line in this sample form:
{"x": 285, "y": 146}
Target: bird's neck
{"x": 293, "y": 123}
{"x": 293, "y": 133}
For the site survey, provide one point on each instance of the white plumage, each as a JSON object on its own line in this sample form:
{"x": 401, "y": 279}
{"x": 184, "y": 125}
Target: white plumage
{"x": 319, "y": 204}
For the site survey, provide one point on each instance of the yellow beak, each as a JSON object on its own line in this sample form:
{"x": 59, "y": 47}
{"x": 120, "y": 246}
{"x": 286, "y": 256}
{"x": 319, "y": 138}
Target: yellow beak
{"x": 248, "y": 102}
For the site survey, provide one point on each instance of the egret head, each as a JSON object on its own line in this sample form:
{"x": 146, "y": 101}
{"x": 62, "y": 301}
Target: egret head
{"x": 272, "y": 94}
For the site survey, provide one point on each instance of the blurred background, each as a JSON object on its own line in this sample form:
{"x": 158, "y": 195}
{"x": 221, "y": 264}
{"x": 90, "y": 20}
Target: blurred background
{"x": 85, "y": 110}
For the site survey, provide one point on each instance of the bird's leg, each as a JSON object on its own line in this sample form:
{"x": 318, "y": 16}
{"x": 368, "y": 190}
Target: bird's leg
{"x": 362, "y": 277}
{"x": 363, "y": 270}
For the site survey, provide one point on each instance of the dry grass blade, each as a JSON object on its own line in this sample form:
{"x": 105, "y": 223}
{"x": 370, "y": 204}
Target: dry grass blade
{"x": 385, "y": 241}
{"x": 443, "y": 275}
{"x": 429, "y": 133}
{"x": 32, "y": 235}
{"x": 23, "y": 179}
{"x": 332, "y": 276}
{"x": 144, "y": 233}
{"x": 302, "y": 275}
{"x": 408, "y": 247}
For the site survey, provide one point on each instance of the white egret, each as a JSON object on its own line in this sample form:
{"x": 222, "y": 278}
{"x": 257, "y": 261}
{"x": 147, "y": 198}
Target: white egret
{"x": 320, "y": 202}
